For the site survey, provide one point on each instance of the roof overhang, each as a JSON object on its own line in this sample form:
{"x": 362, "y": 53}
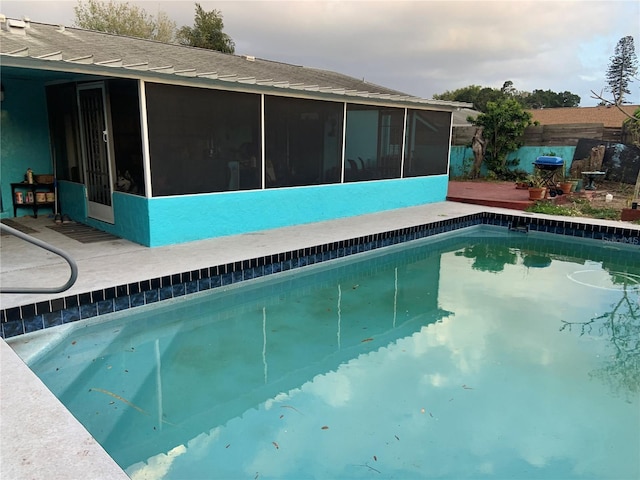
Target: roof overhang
{"x": 58, "y": 69}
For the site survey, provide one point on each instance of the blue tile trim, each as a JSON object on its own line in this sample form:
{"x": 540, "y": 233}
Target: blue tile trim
{"x": 18, "y": 320}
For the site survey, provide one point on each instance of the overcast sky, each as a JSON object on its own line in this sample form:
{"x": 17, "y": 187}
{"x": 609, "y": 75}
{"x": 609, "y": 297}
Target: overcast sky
{"x": 418, "y": 47}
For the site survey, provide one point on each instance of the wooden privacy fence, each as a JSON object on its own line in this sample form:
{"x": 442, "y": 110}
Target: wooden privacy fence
{"x": 549, "y": 135}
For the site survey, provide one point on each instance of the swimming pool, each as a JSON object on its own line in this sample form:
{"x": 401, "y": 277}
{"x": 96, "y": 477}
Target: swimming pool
{"x": 481, "y": 353}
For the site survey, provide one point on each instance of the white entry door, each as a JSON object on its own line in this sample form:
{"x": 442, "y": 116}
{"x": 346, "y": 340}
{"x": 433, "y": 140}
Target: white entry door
{"x": 95, "y": 150}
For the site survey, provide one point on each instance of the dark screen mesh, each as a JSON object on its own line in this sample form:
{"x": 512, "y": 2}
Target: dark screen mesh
{"x": 303, "y": 141}
{"x": 202, "y": 141}
{"x": 427, "y": 146}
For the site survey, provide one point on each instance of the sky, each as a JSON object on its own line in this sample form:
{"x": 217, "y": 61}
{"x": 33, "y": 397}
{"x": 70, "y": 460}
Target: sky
{"x": 421, "y": 48}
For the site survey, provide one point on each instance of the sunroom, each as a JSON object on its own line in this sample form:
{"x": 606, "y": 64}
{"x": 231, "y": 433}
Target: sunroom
{"x": 164, "y": 144}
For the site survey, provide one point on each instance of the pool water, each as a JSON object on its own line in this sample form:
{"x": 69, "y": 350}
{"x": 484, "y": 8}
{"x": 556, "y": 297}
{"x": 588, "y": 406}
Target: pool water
{"x": 478, "y": 354}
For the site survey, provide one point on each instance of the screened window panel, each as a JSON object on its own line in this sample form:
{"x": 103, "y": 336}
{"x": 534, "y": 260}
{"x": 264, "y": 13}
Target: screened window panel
{"x": 373, "y": 146}
{"x": 427, "y": 145}
{"x": 203, "y": 141}
{"x": 127, "y": 138}
{"x": 303, "y": 142}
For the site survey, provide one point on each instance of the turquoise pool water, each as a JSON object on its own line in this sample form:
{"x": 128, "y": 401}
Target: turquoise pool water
{"x": 480, "y": 354}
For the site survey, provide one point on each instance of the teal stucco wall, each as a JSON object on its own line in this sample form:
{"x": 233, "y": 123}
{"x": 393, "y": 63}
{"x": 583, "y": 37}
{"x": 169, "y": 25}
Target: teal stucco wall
{"x": 527, "y": 155}
{"x": 168, "y": 220}
{"x": 24, "y": 138}
{"x": 177, "y": 219}
{"x": 130, "y": 212}
{"x": 71, "y": 198}
{"x": 195, "y": 217}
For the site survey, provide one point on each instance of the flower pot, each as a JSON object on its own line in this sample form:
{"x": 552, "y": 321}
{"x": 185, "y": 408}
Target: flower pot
{"x": 579, "y": 186}
{"x": 537, "y": 193}
{"x": 565, "y": 187}
{"x": 574, "y": 185}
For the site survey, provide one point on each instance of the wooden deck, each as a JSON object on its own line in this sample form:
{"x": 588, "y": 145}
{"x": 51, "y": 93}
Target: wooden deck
{"x": 492, "y": 194}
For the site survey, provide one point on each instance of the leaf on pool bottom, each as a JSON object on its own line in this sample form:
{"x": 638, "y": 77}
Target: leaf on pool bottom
{"x": 325, "y": 428}
{"x": 366, "y": 340}
{"x": 275, "y": 444}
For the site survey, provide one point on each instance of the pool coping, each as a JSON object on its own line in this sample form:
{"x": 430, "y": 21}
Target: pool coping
{"x": 37, "y": 316}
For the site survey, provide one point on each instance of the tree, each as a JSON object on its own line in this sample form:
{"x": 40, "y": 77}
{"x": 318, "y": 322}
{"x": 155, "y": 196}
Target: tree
{"x": 622, "y": 69}
{"x": 503, "y": 125}
{"x": 474, "y": 94}
{"x": 548, "y": 99}
{"x": 123, "y": 19}
{"x": 466, "y": 94}
{"x": 487, "y": 95}
{"x": 480, "y": 96}
{"x": 508, "y": 89}
{"x": 206, "y": 32}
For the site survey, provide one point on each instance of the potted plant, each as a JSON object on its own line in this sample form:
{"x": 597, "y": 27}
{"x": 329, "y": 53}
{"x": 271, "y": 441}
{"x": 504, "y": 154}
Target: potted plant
{"x": 566, "y": 185}
{"x": 537, "y": 189}
{"x": 522, "y": 183}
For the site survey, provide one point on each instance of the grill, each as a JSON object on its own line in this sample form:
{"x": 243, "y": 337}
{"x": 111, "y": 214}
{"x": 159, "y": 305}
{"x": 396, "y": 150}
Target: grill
{"x": 547, "y": 168}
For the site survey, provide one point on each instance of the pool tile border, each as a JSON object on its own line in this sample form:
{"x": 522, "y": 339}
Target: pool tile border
{"x": 49, "y": 313}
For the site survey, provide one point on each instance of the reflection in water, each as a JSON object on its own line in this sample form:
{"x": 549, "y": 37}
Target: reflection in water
{"x": 439, "y": 360}
{"x": 490, "y": 257}
{"x": 621, "y": 325}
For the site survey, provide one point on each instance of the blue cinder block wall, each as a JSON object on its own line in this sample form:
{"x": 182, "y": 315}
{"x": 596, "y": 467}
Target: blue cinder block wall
{"x": 462, "y": 157}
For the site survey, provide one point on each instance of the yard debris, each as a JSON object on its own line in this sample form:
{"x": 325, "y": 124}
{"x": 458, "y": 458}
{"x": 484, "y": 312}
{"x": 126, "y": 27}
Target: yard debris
{"x": 118, "y": 397}
{"x": 369, "y": 467}
{"x": 292, "y": 408}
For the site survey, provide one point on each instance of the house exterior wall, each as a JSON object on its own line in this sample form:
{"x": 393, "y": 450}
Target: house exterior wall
{"x": 162, "y": 221}
{"x": 71, "y": 197}
{"x": 24, "y": 137}
{"x": 156, "y": 221}
{"x": 195, "y": 217}
{"x": 131, "y": 212}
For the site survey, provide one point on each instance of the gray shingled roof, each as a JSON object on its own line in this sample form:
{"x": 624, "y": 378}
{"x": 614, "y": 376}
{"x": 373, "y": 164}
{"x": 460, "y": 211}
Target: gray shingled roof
{"x": 460, "y": 117}
{"x": 28, "y": 44}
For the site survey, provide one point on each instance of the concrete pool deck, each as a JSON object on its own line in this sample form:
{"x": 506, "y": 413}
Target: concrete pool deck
{"x": 48, "y": 441}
